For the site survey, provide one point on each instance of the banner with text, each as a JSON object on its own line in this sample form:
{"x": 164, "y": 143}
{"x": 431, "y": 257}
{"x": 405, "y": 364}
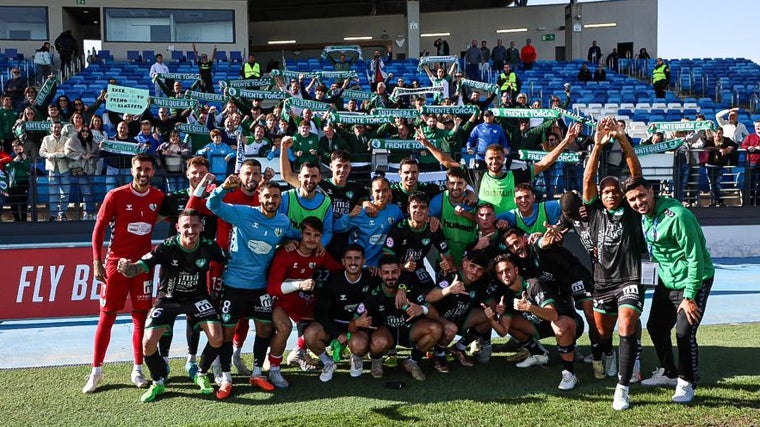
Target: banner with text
{"x": 127, "y": 100}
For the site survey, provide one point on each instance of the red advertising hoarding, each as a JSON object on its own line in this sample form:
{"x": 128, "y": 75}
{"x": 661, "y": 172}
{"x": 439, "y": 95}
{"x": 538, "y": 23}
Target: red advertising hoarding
{"x": 50, "y": 282}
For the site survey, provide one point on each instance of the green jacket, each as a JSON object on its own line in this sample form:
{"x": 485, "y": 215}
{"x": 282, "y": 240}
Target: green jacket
{"x": 678, "y": 246}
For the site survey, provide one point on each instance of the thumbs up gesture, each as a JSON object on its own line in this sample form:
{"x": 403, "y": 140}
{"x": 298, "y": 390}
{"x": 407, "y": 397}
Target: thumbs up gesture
{"x": 522, "y": 304}
{"x": 410, "y": 265}
{"x": 456, "y": 287}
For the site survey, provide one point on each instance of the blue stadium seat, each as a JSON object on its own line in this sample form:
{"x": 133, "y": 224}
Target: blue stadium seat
{"x": 236, "y": 56}
{"x": 133, "y": 56}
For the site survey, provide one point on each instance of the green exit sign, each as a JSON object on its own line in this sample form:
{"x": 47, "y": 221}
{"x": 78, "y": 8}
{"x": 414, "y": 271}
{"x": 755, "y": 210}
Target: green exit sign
{"x": 81, "y": 2}
{"x": 544, "y": 37}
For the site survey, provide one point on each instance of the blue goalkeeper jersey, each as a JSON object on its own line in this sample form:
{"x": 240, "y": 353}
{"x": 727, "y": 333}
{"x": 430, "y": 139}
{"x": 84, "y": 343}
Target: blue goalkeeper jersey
{"x": 254, "y": 240}
{"x": 370, "y": 232}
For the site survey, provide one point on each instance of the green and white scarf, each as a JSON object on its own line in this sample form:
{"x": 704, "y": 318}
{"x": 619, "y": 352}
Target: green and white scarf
{"x": 266, "y": 81}
{"x": 179, "y": 76}
{"x": 336, "y": 75}
{"x": 357, "y": 119}
{"x": 401, "y": 144}
{"x": 343, "y": 49}
{"x": 402, "y": 91}
{"x": 536, "y": 156}
{"x": 193, "y": 128}
{"x": 457, "y": 110}
{"x": 174, "y": 102}
{"x": 690, "y": 126}
{"x": 483, "y": 86}
{"x": 292, "y": 74}
{"x": 257, "y": 94}
{"x": 213, "y": 97}
{"x": 436, "y": 59}
{"x": 120, "y": 147}
{"x": 526, "y": 113}
{"x": 358, "y": 95}
{"x": 574, "y": 117}
{"x": 46, "y": 92}
{"x": 670, "y": 145}
{"x": 397, "y": 112}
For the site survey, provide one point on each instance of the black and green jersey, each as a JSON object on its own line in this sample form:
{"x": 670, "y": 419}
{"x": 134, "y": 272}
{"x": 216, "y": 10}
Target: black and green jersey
{"x": 409, "y": 244}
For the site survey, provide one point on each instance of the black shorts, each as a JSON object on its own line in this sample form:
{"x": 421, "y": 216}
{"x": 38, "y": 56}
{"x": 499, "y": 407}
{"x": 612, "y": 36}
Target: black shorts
{"x": 165, "y": 311}
{"x": 609, "y": 300}
{"x": 252, "y": 303}
{"x": 402, "y": 335}
{"x": 580, "y": 291}
{"x": 544, "y": 327}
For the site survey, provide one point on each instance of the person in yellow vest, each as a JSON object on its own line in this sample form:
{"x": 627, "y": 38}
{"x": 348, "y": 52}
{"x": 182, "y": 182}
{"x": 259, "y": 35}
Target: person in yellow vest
{"x": 251, "y": 69}
{"x": 509, "y": 82}
{"x": 660, "y": 78}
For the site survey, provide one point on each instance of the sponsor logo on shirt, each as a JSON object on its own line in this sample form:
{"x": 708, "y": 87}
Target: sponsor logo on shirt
{"x": 258, "y": 247}
{"x": 139, "y": 228}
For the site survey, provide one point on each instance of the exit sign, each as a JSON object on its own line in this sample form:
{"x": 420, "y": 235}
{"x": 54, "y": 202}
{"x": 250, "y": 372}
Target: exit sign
{"x": 544, "y": 37}
{"x": 81, "y": 2}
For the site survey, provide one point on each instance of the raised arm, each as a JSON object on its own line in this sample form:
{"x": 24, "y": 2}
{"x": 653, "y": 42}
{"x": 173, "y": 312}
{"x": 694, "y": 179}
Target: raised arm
{"x": 286, "y": 172}
{"x": 589, "y": 175}
{"x": 553, "y": 155}
{"x": 634, "y": 166}
{"x": 444, "y": 159}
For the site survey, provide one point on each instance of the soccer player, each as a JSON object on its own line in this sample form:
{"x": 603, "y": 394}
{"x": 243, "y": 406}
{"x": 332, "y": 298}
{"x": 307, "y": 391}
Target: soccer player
{"x": 371, "y": 224}
{"x": 533, "y": 308}
{"x": 174, "y": 204}
{"x": 257, "y": 231}
{"x": 529, "y": 215}
{"x": 184, "y": 261}
{"x": 557, "y": 268}
{"x": 409, "y": 174}
{"x": 457, "y": 301}
{"x": 336, "y": 303}
{"x": 291, "y": 284}
{"x": 498, "y": 185}
{"x": 411, "y": 239}
{"x": 391, "y": 325}
{"x": 619, "y": 245}
{"x": 131, "y": 210}
{"x": 456, "y": 217}
{"x": 676, "y": 243}
{"x": 305, "y": 200}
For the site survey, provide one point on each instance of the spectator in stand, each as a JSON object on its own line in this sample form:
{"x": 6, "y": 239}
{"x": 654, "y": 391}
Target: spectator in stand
{"x": 660, "y": 78}
{"x": 43, "y": 63}
{"x": 612, "y": 59}
{"x": 148, "y": 139}
{"x": 64, "y": 107}
{"x": 721, "y": 152}
{"x": 484, "y": 135}
{"x": 57, "y": 167}
{"x": 485, "y": 66}
{"x": 342, "y": 63}
{"x": 251, "y": 69}
{"x": 528, "y": 55}
{"x": 752, "y": 144}
{"x": 732, "y": 128}
{"x": 656, "y": 138}
{"x": 441, "y": 47}
{"x": 205, "y": 69}
{"x": 172, "y": 155}
{"x": 82, "y": 152}
{"x": 643, "y": 54}
{"x": 376, "y": 67}
{"x": 594, "y": 53}
{"x": 441, "y": 79}
{"x": 473, "y": 57}
{"x": 158, "y": 67}
{"x": 67, "y": 48}
{"x": 8, "y": 116}
{"x": 31, "y": 140}
{"x": 584, "y": 74}
{"x": 18, "y": 170}
{"x": 499, "y": 55}
{"x": 87, "y": 111}
{"x": 96, "y": 128}
{"x": 15, "y": 87}
{"x": 508, "y": 82}
{"x": 513, "y": 56}
{"x": 600, "y": 74}
{"x": 218, "y": 154}
{"x": 118, "y": 166}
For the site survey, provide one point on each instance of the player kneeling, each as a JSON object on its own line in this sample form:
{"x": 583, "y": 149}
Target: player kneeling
{"x": 390, "y": 325}
{"x": 184, "y": 261}
{"x": 531, "y": 308}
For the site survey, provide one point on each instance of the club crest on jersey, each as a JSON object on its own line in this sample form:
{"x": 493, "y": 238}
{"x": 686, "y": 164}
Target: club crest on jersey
{"x": 200, "y": 262}
{"x": 390, "y": 220}
{"x": 425, "y": 241}
{"x": 153, "y": 206}
{"x": 278, "y": 232}
{"x": 444, "y": 284}
{"x": 312, "y": 265}
{"x": 350, "y": 194}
